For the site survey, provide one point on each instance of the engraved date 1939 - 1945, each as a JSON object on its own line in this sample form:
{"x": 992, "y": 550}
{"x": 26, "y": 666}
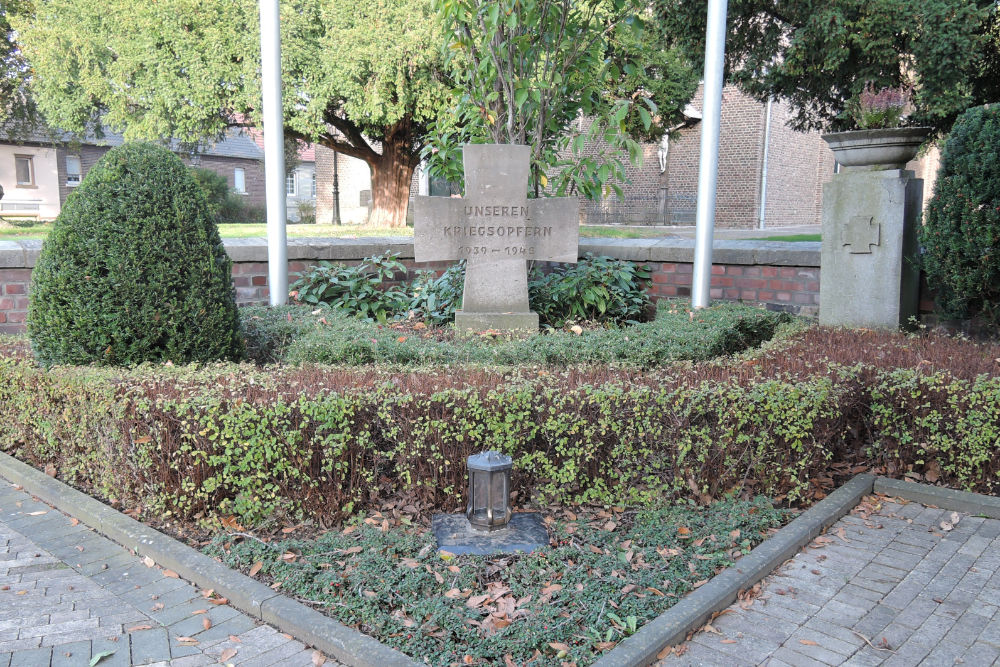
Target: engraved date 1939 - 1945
{"x": 508, "y": 251}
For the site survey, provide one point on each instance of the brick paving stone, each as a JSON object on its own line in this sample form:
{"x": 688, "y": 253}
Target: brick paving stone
{"x": 71, "y": 655}
{"x": 920, "y": 595}
{"x": 100, "y": 598}
{"x": 40, "y": 657}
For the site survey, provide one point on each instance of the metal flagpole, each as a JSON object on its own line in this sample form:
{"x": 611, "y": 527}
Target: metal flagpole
{"x": 274, "y": 154}
{"x": 708, "y": 169}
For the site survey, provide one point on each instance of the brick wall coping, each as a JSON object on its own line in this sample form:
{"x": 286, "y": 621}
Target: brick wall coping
{"x": 24, "y": 254}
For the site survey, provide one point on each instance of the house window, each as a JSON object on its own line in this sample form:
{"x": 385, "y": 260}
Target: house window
{"x": 74, "y": 170}
{"x": 24, "y": 169}
{"x": 240, "y": 180}
{"x": 312, "y": 190}
{"x": 291, "y": 187}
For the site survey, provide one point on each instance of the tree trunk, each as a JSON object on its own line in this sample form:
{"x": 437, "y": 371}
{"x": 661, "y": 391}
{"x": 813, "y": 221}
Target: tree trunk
{"x": 391, "y": 173}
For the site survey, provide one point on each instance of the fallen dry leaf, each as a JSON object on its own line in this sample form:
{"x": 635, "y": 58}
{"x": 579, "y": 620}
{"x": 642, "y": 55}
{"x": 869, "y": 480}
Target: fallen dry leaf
{"x": 228, "y": 654}
{"x": 171, "y": 574}
{"x": 74, "y": 522}
{"x": 808, "y": 642}
{"x": 187, "y": 640}
{"x": 206, "y": 623}
{"x": 255, "y": 568}
{"x": 476, "y": 600}
{"x": 148, "y": 562}
{"x": 157, "y": 607}
{"x": 199, "y": 611}
{"x": 727, "y": 641}
{"x": 137, "y": 628}
{"x": 38, "y": 513}
{"x": 234, "y": 638}
{"x": 318, "y": 659}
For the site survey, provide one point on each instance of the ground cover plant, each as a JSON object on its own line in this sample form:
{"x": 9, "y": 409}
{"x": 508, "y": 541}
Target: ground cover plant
{"x": 605, "y": 574}
{"x": 307, "y": 335}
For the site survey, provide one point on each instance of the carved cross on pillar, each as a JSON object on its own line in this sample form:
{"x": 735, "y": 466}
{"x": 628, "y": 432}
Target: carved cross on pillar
{"x": 861, "y": 233}
{"x": 497, "y": 229}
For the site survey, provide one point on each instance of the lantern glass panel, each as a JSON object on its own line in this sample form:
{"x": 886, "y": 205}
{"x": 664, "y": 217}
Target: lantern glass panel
{"x": 480, "y": 494}
{"x": 499, "y": 495}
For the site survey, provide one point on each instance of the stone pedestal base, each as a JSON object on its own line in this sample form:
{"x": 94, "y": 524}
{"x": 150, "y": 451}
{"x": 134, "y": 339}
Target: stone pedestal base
{"x": 525, "y": 533}
{"x": 473, "y": 321}
{"x": 869, "y": 273}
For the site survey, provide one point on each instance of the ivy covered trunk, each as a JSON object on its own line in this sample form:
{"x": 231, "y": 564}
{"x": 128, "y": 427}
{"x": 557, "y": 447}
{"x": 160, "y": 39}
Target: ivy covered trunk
{"x": 391, "y": 173}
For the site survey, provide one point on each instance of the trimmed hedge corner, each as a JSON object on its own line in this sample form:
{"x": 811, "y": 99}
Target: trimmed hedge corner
{"x": 235, "y": 440}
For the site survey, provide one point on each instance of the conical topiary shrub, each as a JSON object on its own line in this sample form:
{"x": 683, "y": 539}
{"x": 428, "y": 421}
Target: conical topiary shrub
{"x": 134, "y": 270}
{"x": 961, "y": 233}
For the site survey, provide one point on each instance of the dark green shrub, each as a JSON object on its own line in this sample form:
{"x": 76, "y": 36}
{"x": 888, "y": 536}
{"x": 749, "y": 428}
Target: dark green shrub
{"x": 236, "y": 210}
{"x": 214, "y": 188}
{"x": 596, "y": 289}
{"x": 436, "y": 298}
{"x": 367, "y": 290}
{"x": 961, "y": 235}
{"x": 134, "y": 270}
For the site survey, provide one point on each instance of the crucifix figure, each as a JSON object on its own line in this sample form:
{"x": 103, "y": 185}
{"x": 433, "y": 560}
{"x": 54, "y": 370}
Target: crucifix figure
{"x": 498, "y": 230}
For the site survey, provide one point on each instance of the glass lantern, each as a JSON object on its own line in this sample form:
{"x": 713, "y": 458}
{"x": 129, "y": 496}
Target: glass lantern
{"x": 489, "y": 490}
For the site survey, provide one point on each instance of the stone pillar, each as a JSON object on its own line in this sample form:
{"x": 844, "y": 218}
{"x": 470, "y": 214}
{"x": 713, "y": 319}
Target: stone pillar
{"x": 869, "y": 253}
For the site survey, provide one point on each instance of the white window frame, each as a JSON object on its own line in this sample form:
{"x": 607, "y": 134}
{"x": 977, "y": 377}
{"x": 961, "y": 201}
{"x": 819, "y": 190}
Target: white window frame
{"x": 313, "y": 186}
{"x": 30, "y": 183}
{"x": 292, "y": 179}
{"x": 240, "y": 180}
{"x": 73, "y": 178}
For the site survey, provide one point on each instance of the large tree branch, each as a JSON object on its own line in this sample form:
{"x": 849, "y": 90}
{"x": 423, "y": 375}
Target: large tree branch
{"x": 353, "y": 136}
{"x": 333, "y": 143}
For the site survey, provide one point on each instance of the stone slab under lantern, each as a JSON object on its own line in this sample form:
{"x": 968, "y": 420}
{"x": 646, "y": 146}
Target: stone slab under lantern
{"x": 525, "y": 533}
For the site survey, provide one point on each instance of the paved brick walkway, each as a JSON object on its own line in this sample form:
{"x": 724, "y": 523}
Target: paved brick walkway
{"x": 887, "y": 585}
{"x": 67, "y": 593}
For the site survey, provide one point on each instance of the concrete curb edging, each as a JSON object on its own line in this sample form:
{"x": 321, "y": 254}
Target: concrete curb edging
{"x": 249, "y": 596}
{"x": 949, "y": 499}
{"x": 672, "y": 626}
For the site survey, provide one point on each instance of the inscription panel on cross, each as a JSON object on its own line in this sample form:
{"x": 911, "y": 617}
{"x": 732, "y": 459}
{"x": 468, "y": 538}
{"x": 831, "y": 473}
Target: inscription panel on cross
{"x": 496, "y": 228}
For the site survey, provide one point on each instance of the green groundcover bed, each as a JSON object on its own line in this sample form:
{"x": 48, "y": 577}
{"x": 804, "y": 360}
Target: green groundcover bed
{"x": 665, "y": 425}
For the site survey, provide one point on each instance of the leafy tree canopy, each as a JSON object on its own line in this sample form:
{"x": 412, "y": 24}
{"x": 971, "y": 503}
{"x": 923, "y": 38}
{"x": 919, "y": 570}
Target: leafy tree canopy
{"x": 818, "y": 54}
{"x": 525, "y": 70}
{"x": 358, "y": 76}
{"x": 15, "y": 103}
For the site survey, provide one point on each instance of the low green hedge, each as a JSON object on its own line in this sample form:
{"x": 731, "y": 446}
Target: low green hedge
{"x": 233, "y": 439}
{"x": 297, "y": 334}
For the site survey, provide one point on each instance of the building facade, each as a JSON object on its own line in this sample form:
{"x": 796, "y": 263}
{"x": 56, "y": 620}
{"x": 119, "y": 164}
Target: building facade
{"x": 39, "y": 171}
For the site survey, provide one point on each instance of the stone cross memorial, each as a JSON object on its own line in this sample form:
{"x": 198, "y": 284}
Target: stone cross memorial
{"x": 498, "y": 230}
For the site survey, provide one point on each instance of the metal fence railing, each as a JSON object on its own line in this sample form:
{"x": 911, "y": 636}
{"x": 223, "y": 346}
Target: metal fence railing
{"x": 679, "y": 210}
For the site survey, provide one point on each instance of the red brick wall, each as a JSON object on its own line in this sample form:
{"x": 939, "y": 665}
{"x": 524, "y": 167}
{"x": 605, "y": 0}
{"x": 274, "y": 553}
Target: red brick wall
{"x": 792, "y": 288}
{"x": 13, "y": 299}
{"x": 795, "y": 289}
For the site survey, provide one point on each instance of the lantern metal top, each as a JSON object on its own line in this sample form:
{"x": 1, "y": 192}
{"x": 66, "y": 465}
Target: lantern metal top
{"x": 490, "y": 462}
